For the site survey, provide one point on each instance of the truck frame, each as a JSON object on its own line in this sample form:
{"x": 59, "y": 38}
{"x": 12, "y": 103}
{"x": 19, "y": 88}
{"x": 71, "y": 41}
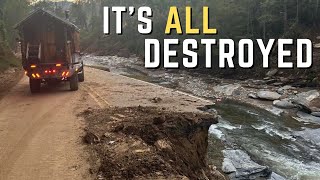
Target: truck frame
{"x": 50, "y": 48}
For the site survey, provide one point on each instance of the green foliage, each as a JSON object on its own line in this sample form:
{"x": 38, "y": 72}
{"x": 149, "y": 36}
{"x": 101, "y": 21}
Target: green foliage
{"x": 7, "y": 59}
{"x": 10, "y": 13}
{"x": 13, "y": 12}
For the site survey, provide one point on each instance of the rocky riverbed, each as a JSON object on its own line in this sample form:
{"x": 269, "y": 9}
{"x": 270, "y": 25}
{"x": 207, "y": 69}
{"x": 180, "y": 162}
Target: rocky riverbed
{"x": 268, "y": 127}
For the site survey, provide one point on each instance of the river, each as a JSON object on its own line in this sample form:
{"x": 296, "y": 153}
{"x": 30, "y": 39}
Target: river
{"x": 290, "y": 147}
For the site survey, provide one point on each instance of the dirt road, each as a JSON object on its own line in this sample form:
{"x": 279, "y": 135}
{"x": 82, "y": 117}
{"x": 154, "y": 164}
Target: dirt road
{"x": 40, "y": 135}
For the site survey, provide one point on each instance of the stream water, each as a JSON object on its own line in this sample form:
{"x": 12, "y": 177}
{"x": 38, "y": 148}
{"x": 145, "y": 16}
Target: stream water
{"x": 288, "y": 146}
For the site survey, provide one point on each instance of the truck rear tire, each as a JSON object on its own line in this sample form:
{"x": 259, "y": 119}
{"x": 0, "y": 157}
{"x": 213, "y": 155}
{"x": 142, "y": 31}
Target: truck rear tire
{"x": 35, "y": 85}
{"x": 74, "y": 82}
{"x": 81, "y": 76}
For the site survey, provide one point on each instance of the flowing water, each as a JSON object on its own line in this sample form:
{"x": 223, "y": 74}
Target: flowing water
{"x": 288, "y": 146}
{"x": 281, "y": 143}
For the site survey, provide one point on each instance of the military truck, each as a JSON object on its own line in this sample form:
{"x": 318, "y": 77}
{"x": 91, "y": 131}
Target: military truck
{"x": 50, "y": 48}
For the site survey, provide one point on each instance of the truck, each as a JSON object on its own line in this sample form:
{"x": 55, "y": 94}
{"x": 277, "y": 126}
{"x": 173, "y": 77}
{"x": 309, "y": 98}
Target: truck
{"x": 50, "y": 49}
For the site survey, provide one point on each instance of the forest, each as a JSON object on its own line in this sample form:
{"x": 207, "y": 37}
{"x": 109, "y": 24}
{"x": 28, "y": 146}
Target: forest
{"x": 234, "y": 19}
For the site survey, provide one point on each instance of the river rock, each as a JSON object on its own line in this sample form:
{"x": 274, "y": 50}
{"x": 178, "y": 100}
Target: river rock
{"x": 252, "y": 96}
{"x": 312, "y": 135}
{"x": 268, "y": 95}
{"x": 227, "y": 166}
{"x": 274, "y": 110}
{"x": 275, "y": 176}
{"x": 317, "y": 114}
{"x": 284, "y": 89}
{"x": 306, "y": 100}
{"x": 315, "y": 103}
{"x": 272, "y": 72}
{"x": 308, "y": 117}
{"x": 245, "y": 167}
{"x": 284, "y": 104}
{"x": 309, "y": 95}
{"x": 227, "y": 90}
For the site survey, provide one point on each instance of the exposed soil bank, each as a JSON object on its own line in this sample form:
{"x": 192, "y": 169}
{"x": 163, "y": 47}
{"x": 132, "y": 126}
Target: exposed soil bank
{"x": 149, "y": 143}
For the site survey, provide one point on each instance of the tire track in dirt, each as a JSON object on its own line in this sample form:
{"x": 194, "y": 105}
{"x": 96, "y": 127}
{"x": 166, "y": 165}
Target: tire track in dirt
{"x": 96, "y": 97}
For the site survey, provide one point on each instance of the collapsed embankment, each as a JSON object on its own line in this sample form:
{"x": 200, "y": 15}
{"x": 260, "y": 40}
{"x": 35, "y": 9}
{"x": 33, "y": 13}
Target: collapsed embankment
{"x": 149, "y": 143}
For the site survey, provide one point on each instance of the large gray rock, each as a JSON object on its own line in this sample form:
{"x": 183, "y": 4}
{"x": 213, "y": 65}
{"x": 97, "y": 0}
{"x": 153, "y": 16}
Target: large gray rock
{"x": 284, "y": 104}
{"x": 227, "y": 90}
{"x": 274, "y": 110}
{"x": 245, "y": 167}
{"x": 283, "y": 89}
{"x": 311, "y": 135}
{"x": 308, "y": 96}
{"x": 268, "y": 95}
{"x": 304, "y": 99}
{"x": 317, "y": 114}
{"x": 275, "y": 176}
{"x": 227, "y": 166}
{"x": 308, "y": 117}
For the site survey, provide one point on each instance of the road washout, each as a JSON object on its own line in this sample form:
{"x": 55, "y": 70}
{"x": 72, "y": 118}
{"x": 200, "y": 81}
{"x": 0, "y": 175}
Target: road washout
{"x": 285, "y": 113}
{"x": 148, "y": 143}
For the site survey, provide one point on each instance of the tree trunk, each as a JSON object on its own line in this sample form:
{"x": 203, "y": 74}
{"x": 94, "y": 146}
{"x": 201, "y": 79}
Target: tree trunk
{"x": 297, "y": 18}
{"x": 285, "y": 16}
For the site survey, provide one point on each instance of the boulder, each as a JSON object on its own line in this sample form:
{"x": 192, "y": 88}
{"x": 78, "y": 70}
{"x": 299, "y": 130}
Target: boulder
{"x": 306, "y": 100}
{"x": 274, "y": 110}
{"x": 308, "y": 117}
{"x": 268, "y": 95}
{"x": 227, "y": 90}
{"x": 317, "y": 114}
{"x": 275, "y": 176}
{"x": 284, "y": 89}
{"x": 284, "y": 104}
{"x": 309, "y": 95}
{"x": 315, "y": 103}
{"x": 311, "y": 135}
{"x": 227, "y": 166}
{"x": 245, "y": 168}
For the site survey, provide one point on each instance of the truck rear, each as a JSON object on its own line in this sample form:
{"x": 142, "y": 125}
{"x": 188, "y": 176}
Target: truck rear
{"x": 50, "y": 48}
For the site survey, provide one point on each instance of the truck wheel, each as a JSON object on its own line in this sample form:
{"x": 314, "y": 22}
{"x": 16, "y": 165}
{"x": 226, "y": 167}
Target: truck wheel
{"x": 35, "y": 85}
{"x": 81, "y": 76}
{"x": 74, "y": 82}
